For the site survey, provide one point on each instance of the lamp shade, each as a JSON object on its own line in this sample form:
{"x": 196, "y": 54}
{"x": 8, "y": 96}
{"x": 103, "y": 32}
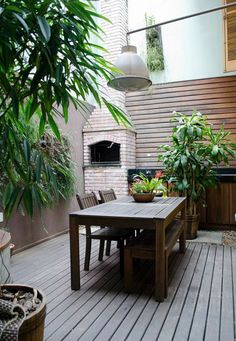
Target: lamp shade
{"x": 134, "y": 74}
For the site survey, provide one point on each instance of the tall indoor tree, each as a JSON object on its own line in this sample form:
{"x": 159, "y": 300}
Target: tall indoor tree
{"x": 47, "y": 62}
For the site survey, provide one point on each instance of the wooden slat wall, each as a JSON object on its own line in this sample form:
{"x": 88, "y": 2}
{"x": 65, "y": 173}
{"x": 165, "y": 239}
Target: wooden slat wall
{"x": 152, "y": 109}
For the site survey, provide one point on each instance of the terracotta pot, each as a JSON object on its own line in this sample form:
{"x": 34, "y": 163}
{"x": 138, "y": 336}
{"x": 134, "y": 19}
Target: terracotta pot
{"x": 191, "y": 223}
{"x": 32, "y": 329}
{"x": 143, "y": 197}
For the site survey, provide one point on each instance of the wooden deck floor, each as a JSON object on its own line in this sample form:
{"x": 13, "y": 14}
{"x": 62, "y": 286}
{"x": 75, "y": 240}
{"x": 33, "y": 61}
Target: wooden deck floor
{"x": 200, "y": 305}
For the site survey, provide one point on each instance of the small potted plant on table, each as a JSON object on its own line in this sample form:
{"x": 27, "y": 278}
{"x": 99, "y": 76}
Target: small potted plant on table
{"x": 188, "y": 161}
{"x": 144, "y": 189}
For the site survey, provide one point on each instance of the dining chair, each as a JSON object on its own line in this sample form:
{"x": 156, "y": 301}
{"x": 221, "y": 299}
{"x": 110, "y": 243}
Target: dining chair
{"x": 106, "y": 196}
{"x": 143, "y": 247}
{"x": 103, "y": 233}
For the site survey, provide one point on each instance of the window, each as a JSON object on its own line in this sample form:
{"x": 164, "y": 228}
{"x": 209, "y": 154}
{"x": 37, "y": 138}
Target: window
{"x": 230, "y": 37}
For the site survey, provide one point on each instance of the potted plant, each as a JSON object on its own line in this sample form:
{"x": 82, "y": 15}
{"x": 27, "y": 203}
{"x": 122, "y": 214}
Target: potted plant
{"x": 189, "y": 160}
{"x": 144, "y": 189}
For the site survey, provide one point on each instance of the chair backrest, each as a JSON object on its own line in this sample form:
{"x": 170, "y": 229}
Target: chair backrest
{"x": 87, "y": 200}
{"x": 107, "y": 195}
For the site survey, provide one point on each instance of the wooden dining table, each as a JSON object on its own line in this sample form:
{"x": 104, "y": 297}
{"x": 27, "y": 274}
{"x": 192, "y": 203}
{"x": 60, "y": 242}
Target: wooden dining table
{"x": 126, "y": 213}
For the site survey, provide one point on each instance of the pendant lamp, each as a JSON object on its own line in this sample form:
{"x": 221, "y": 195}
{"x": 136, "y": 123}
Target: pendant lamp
{"x": 134, "y": 74}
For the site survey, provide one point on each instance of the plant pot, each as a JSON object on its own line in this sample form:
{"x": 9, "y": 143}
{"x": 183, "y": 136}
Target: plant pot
{"x": 191, "y": 226}
{"x": 32, "y": 329}
{"x": 143, "y": 197}
{"x": 5, "y": 239}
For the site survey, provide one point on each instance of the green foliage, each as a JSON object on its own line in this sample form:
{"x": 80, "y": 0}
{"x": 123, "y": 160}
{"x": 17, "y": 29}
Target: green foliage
{"x": 143, "y": 184}
{"x": 35, "y": 171}
{"x": 155, "y": 57}
{"x": 47, "y": 61}
{"x": 194, "y": 151}
{"x": 46, "y": 55}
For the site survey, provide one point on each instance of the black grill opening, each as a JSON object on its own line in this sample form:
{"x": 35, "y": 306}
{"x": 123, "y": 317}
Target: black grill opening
{"x": 105, "y": 152}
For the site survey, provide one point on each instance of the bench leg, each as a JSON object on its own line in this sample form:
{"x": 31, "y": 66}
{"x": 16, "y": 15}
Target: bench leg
{"x": 121, "y": 243}
{"x": 128, "y": 270}
{"x": 87, "y": 253}
{"x": 108, "y": 248}
{"x": 166, "y": 275}
{"x": 101, "y": 250}
{"x": 182, "y": 243}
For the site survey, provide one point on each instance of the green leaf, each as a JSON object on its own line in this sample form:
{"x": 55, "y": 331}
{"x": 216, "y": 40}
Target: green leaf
{"x": 13, "y": 9}
{"x": 190, "y": 130}
{"x": 215, "y": 150}
{"x": 15, "y": 104}
{"x": 54, "y": 127}
{"x": 183, "y": 160}
{"x": 44, "y": 27}
{"x": 117, "y": 114}
{"x": 7, "y": 194}
{"x": 38, "y": 167}
{"x": 8, "y": 209}
{"x": 27, "y": 151}
{"x": 27, "y": 198}
{"x": 42, "y": 123}
{"x": 22, "y": 21}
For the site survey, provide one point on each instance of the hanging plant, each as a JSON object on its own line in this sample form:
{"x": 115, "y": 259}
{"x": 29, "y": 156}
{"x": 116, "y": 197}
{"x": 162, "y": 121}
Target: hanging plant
{"x": 155, "y": 57}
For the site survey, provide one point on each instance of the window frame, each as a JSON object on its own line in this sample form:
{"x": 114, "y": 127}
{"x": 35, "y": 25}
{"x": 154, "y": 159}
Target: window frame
{"x": 230, "y": 65}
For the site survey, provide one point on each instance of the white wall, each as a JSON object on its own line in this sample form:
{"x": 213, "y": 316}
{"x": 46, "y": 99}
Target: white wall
{"x": 193, "y": 48}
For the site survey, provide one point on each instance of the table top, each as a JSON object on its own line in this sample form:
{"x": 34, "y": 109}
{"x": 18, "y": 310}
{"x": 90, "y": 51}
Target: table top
{"x": 126, "y": 207}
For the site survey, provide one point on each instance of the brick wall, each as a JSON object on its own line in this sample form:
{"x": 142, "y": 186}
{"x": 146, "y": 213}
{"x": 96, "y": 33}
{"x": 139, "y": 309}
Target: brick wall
{"x": 101, "y": 126}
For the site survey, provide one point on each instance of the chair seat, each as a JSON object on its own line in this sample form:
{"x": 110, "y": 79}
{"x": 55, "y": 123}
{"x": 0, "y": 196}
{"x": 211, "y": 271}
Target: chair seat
{"x": 111, "y": 233}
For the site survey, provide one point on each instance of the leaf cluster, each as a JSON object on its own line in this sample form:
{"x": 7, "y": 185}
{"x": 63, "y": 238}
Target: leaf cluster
{"x": 143, "y": 184}
{"x": 36, "y": 171}
{"x": 155, "y": 57}
{"x": 194, "y": 151}
{"x": 47, "y": 55}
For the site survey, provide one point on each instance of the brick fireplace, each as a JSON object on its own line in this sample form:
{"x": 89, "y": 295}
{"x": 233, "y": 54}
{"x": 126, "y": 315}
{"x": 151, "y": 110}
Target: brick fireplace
{"x": 101, "y": 131}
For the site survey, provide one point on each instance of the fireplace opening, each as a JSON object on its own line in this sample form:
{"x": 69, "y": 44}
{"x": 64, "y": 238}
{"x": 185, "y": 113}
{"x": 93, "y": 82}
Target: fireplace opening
{"x": 105, "y": 152}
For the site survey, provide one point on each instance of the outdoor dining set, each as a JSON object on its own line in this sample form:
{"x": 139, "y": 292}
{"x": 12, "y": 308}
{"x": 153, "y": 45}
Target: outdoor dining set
{"x": 142, "y": 230}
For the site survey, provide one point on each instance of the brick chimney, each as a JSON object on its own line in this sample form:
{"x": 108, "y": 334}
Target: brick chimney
{"x": 101, "y": 125}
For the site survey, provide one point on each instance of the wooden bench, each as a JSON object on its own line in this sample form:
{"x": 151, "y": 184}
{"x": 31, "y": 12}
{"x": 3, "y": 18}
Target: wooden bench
{"x": 143, "y": 247}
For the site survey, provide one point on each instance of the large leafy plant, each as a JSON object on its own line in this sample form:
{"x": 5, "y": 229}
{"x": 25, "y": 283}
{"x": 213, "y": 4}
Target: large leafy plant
{"x": 36, "y": 171}
{"x": 194, "y": 151}
{"x": 47, "y": 62}
{"x": 46, "y": 54}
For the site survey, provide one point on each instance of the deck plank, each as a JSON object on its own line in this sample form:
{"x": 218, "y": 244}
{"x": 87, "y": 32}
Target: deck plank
{"x": 213, "y": 318}
{"x": 201, "y": 311}
{"x": 227, "y": 307}
{"x": 185, "y": 316}
{"x": 200, "y": 304}
{"x": 154, "y": 328}
{"x": 233, "y": 251}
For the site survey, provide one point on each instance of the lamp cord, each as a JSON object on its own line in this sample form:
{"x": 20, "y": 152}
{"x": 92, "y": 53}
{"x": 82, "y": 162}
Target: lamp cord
{"x": 181, "y": 18}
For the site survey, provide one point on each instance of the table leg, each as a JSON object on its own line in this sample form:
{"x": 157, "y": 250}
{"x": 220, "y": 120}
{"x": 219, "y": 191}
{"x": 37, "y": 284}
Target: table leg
{"x": 74, "y": 253}
{"x": 160, "y": 262}
{"x": 182, "y": 240}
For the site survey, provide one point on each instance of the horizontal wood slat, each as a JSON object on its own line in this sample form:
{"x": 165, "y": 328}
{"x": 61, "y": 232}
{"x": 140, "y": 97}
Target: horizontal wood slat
{"x": 152, "y": 109}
